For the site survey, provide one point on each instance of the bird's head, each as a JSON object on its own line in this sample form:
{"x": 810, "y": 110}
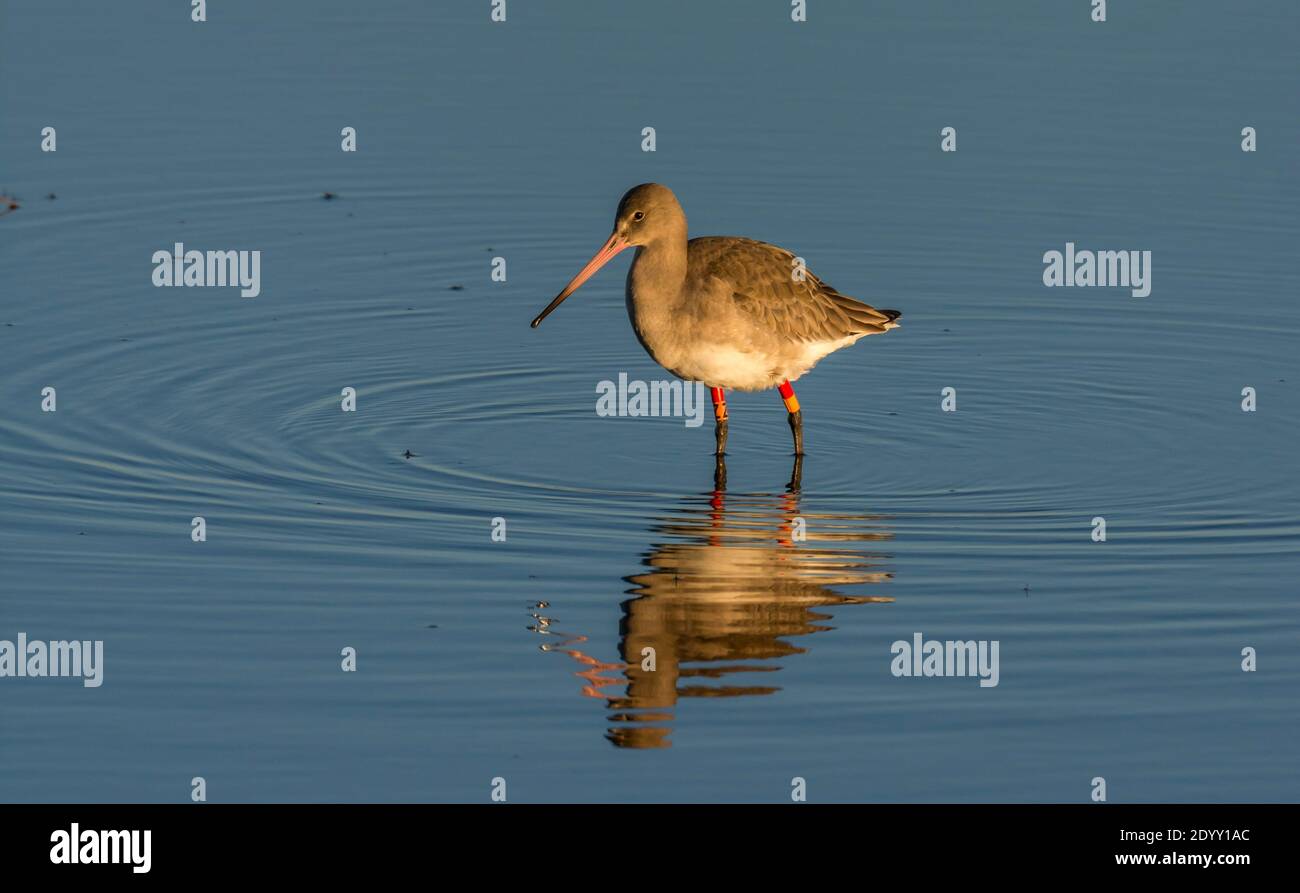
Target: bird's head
{"x": 647, "y": 214}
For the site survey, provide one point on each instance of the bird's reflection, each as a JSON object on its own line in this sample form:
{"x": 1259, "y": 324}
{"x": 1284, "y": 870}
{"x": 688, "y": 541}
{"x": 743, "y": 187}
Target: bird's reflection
{"x": 730, "y": 580}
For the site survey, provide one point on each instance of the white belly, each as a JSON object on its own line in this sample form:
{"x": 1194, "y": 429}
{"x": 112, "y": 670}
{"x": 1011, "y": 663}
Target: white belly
{"x": 726, "y": 366}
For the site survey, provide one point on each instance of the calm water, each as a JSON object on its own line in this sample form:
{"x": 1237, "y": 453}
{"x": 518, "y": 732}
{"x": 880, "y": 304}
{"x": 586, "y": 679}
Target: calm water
{"x": 522, "y": 659}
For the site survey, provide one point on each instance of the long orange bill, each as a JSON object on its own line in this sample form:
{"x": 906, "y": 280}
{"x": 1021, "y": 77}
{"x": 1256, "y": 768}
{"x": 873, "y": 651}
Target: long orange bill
{"x": 615, "y": 244}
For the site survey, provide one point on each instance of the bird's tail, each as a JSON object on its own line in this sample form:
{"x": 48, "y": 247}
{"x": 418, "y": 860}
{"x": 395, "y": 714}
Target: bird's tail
{"x": 867, "y": 319}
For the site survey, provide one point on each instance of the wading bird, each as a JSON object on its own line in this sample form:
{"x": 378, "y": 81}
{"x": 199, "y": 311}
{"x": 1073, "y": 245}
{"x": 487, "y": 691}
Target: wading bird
{"x": 727, "y": 311}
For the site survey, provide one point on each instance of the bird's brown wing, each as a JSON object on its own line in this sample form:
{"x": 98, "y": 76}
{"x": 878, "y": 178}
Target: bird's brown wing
{"x": 762, "y": 283}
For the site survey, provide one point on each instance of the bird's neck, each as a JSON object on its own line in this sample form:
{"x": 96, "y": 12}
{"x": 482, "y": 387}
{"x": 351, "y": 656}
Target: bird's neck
{"x": 658, "y": 273}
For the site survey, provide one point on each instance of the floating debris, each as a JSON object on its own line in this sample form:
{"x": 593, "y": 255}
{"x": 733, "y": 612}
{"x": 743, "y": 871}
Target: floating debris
{"x": 328, "y": 196}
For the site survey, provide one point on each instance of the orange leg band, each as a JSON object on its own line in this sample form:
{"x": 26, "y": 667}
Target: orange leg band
{"x": 787, "y": 394}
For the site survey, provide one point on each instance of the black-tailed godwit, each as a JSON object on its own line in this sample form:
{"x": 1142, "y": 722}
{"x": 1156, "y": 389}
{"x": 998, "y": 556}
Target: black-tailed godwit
{"x": 726, "y": 311}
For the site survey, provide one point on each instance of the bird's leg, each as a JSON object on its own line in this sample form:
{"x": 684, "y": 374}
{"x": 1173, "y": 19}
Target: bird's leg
{"x": 796, "y": 416}
{"x": 720, "y": 419}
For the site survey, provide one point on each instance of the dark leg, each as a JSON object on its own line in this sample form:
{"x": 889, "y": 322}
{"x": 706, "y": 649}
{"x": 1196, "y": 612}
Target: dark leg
{"x": 796, "y": 416}
{"x": 720, "y": 419}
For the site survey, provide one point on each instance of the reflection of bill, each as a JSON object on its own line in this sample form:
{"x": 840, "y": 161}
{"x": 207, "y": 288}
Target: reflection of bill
{"x": 720, "y": 600}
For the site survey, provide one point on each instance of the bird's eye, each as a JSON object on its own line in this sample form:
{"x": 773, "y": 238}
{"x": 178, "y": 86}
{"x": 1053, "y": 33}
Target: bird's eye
{"x": 639, "y": 215}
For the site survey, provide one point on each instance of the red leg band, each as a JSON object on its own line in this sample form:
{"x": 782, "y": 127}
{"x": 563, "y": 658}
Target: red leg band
{"x": 719, "y": 403}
